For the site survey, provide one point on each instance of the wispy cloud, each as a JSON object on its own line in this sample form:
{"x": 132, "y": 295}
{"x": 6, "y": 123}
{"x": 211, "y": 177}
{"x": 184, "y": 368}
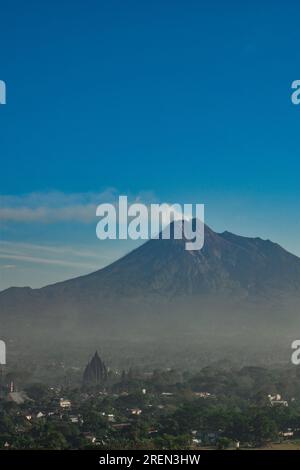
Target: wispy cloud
{"x": 52, "y": 255}
{"x": 55, "y": 206}
{"x": 58, "y": 262}
{"x": 19, "y": 247}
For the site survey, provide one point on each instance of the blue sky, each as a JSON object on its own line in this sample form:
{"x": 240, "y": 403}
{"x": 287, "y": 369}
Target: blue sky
{"x": 168, "y": 101}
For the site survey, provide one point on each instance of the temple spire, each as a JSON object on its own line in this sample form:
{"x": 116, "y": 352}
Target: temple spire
{"x": 95, "y": 372}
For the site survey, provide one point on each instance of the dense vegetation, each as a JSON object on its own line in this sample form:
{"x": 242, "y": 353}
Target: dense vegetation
{"x": 164, "y": 409}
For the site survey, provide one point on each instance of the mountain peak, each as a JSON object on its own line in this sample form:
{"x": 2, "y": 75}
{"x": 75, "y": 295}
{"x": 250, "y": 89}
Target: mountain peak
{"x": 159, "y": 272}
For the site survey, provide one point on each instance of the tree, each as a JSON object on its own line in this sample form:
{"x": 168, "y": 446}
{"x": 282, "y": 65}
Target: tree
{"x": 223, "y": 443}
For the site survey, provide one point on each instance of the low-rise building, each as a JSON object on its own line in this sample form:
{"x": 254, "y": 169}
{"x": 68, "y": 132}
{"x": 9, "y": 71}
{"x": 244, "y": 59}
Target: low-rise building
{"x": 66, "y": 404}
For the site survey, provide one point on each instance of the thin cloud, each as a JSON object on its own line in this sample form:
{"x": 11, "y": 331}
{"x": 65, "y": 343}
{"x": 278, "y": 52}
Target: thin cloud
{"x": 58, "y": 262}
{"x": 79, "y": 213}
{"x": 55, "y": 255}
{"x": 55, "y": 206}
{"x": 15, "y": 247}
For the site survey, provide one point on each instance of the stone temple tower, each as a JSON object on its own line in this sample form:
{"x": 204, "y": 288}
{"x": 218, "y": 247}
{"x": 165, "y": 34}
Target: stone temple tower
{"x": 95, "y": 372}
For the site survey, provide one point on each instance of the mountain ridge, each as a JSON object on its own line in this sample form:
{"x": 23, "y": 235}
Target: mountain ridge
{"x": 246, "y": 243}
{"x": 162, "y": 281}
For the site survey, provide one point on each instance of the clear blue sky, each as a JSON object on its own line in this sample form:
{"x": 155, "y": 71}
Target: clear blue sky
{"x": 178, "y": 101}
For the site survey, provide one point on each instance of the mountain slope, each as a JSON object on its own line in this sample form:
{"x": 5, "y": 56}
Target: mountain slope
{"x": 162, "y": 279}
{"x": 227, "y": 263}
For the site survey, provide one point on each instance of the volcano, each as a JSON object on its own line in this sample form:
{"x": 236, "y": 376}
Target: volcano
{"x": 233, "y": 283}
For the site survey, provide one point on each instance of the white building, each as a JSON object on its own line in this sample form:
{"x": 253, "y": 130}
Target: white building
{"x": 66, "y": 404}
